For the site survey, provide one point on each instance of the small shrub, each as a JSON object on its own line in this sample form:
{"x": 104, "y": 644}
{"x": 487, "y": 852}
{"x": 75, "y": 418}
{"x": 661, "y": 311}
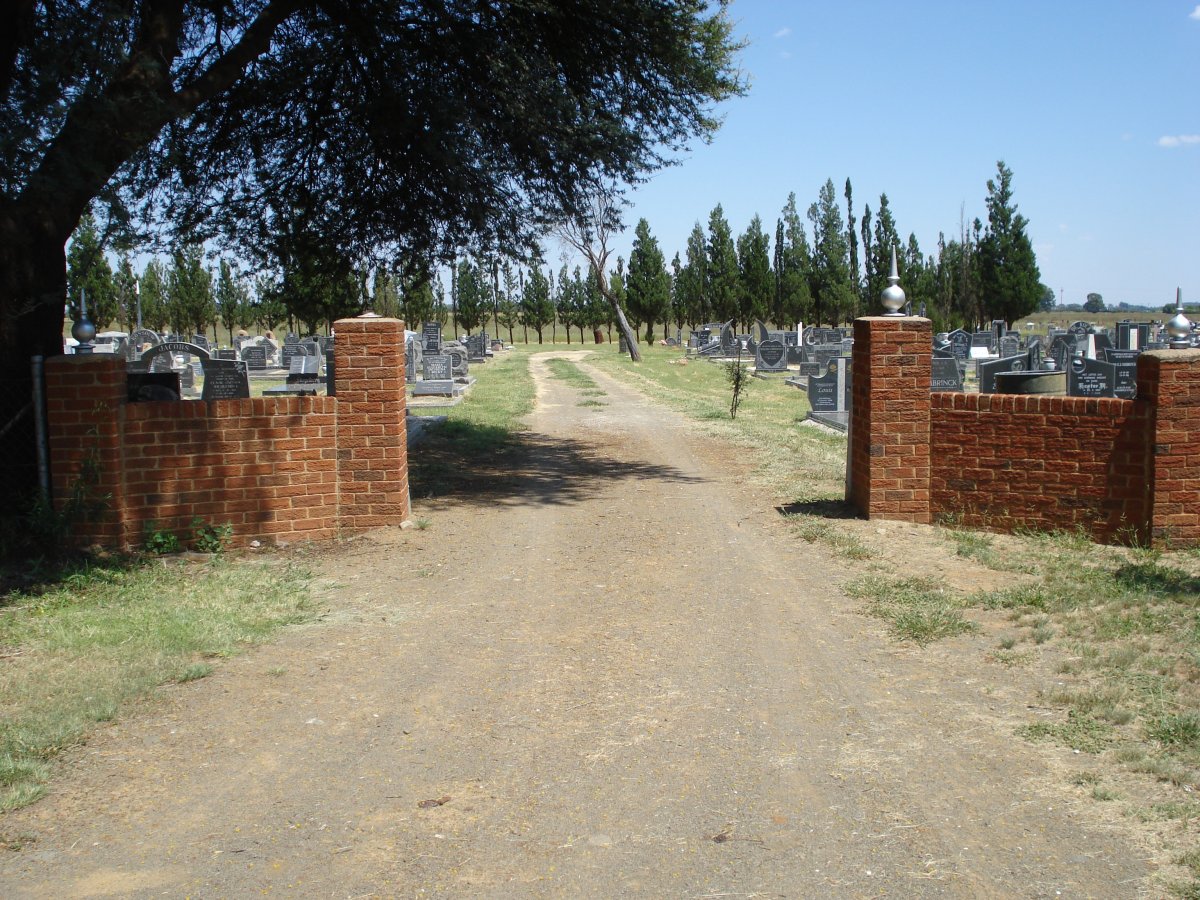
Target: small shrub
{"x": 1180, "y": 731}
{"x": 160, "y": 541}
{"x": 210, "y": 538}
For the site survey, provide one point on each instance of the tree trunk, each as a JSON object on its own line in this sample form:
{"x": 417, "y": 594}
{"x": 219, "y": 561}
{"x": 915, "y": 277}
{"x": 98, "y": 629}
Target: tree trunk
{"x": 635, "y": 352}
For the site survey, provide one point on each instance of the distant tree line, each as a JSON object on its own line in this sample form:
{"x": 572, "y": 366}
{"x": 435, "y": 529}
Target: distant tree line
{"x": 825, "y": 267}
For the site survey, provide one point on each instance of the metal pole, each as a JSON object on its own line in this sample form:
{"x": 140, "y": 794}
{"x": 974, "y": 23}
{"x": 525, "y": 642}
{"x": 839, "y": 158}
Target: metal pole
{"x": 39, "y": 427}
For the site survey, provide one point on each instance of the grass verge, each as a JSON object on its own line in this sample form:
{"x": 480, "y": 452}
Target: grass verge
{"x": 78, "y": 653}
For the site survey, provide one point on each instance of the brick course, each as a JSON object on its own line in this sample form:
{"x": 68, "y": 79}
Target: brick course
{"x": 279, "y": 469}
{"x": 1120, "y": 470}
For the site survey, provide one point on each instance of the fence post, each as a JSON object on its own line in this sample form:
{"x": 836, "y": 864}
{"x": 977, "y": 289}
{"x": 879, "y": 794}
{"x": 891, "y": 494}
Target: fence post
{"x": 889, "y": 418}
{"x": 372, "y": 443}
{"x": 1169, "y": 380}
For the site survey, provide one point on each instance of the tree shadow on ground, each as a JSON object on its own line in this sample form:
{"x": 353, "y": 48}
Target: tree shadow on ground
{"x": 486, "y": 464}
{"x": 822, "y": 509}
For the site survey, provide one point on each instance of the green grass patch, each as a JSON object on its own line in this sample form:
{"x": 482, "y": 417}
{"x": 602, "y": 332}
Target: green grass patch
{"x": 1079, "y": 732}
{"x": 478, "y": 433}
{"x": 915, "y": 609}
{"x": 566, "y": 370}
{"x": 80, "y": 652}
{"x": 800, "y": 464}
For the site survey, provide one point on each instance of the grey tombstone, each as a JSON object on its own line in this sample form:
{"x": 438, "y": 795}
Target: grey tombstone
{"x": 254, "y": 356}
{"x": 303, "y": 368}
{"x": 771, "y": 356}
{"x": 729, "y": 340}
{"x": 945, "y": 375}
{"x": 459, "y": 361}
{"x": 988, "y": 369}
{"x": 1101, "y": 341}
{"x": 227, "y": 354}
{"x": 1132, "y": 335}
{"x": 1062, "y": 349}
{"x": 1079, "y": 329}
{"x": 1091, "y": 378}
{"x": 201, "y": 341}
{"x": 291, "y": 346}
{"x": 760, "y": 332}
{"x": 831, "y": 392}
{"x": 436, "y": 367}
{"x": 983, "y": 340}
{"x": 1010, "y": 345}
{"x": 960, "y": 343}
{"x": 225, "y": 379}
{"x": 1124, "y": 363}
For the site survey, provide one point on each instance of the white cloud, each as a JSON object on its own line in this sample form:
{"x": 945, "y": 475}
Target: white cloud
{"x": 1178, "y": 140}
{"x": 784, "y": 32}
{"x": 1195, "y": 14}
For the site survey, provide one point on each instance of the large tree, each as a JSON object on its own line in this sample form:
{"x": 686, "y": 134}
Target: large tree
{"x": 721, "y": 282}
{"x": 1008, "y": 270}
{"x": 833, "y": 293}
{"x": 756, "y": 285}
{"x": 794, "y": 268}
{"x": 89, "y": 276}
{"x": 190, "y": 299}
{"x": 647, "y": 284}
{"x": 393, "y": 124}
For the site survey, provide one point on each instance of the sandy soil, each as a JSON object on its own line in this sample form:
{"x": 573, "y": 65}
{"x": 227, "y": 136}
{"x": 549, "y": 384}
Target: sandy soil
{"x": 613, "y": 673}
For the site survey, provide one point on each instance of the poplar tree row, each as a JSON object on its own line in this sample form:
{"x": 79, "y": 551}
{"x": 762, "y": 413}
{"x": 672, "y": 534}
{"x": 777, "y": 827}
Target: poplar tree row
{"x": 835, "y": 268}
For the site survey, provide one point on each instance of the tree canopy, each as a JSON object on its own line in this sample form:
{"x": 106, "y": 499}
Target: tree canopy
{"x": 406, "y": 127}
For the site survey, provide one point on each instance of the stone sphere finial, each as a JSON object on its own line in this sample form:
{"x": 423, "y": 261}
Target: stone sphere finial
{"x": 893, "y": 295}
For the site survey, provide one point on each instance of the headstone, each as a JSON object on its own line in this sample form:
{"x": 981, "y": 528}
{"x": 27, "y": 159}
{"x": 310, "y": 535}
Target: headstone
{"x": 960, "y": 343}
{"x": 1079, "y": 329}
{"x": 1062, "y": 349}
{"x": 459, "y": 361}
{"x": 988, "y": 370}
{"x": 945, "y": 374}
{"x": 291, "y": 346}
{"x": 225, "y": 379}
{"x": 1010, "y": 345}
{"x": 1124, "y": 363}
{"x": 760, "y": 332}
{"x": 432, "y": 335}
{"x": 227, "y": 354}
{"x": 771, "y": 356}
{"x": 1133, "y": 335}
{"x": 436, "y": 367}
{"x": 476, "y": 348}
{"x": 831, "y": 392}
{"x": 254, "y": 356}
{"x": 983, "y": 340}
{"x": 1091, "y": 378}
{"x": 1101, "y": 342}
{"x": 729, "y": 339}
{"x": 201, "y": 340}
{"x": 823, "y": 354}
{"x": 303, "y": 368}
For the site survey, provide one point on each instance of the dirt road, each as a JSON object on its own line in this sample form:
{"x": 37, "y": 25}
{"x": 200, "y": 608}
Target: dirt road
{"x": 617, "y": 675}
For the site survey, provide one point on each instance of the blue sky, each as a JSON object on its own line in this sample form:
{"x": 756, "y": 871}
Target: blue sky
{"x": 1094, "y": 106}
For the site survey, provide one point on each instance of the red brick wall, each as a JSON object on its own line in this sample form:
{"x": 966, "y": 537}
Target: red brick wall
{"x": 1003, "y": 461}
{"x": 1121, "y": 470}
{"x": 889, "y": 428}
{"x": 267, "y": 466}
{"x": 278, "y": 469}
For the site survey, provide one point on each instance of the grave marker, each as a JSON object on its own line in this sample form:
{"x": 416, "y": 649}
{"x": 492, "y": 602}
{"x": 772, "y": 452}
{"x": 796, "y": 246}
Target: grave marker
{"x": 771, "y": 356}
{"x": 1124, "y": 363}
{"x": 1091, "y": 378}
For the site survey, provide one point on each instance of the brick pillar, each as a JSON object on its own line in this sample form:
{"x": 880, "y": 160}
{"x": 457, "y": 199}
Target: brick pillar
{"x": 85, "y": 404}
{"x": 372, "y": 443}
{"x": 889, "y": 419}
{"x": 1169, "y": 380}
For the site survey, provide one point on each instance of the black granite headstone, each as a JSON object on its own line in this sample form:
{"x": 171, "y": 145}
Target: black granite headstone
{"x": 1091, "y": 378}
{"x": 771, "y": 356}
{"x": 1124, "y": 363}
{"x": 945, "y": 375}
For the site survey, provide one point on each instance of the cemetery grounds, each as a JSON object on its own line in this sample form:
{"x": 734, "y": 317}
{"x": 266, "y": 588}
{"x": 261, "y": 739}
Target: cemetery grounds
{"x": 631, "y": 646}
